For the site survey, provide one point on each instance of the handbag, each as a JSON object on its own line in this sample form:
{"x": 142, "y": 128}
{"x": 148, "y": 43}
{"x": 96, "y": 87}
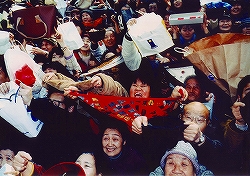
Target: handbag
{"x": 35, "y": 22}
{"x": 150, "y": 34}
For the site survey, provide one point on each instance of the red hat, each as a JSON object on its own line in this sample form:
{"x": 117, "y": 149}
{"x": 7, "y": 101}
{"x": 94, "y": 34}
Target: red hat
{"x": 65, "y": 168}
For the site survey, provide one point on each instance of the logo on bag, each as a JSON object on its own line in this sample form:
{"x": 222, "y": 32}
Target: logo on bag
{"x": 152, "y": 44}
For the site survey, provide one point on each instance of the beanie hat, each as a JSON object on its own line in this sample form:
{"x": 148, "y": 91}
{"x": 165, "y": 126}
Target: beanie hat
{"x": 185, "y": 149}
{"x": 51, "y": 40}
{"x": 88, "y": 12}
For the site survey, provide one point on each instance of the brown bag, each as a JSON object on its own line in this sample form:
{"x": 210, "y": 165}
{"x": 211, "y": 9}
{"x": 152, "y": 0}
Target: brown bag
{"x": 223, "y": 58}
{"x": 35, "y": 22}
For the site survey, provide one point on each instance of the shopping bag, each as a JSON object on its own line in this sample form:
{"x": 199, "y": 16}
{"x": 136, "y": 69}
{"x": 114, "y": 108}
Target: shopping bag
{"x": 150, "y": 34}
{"x": 35, "y": 22}
{"x": 13, "y": 110}
{"x": 70, "y": 35}
{"x": 223, "y": 58}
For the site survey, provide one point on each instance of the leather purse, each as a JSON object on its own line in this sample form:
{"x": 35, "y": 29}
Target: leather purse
{"x": 35, "y": 22}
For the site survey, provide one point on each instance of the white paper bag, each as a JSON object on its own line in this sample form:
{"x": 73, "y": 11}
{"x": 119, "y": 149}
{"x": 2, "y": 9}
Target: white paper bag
{"x": 150, "y": 34}
{"x": 70, "y": 35}
{"x": 180, "y": 73}
{"x": 13, "y": 110}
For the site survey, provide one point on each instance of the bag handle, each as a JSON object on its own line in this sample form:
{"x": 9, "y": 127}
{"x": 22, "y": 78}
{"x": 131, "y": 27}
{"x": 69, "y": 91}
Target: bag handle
{"x": 37, "y": 18}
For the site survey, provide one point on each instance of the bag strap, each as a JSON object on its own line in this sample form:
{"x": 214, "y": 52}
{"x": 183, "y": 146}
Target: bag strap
{"x": 37, "y": 18}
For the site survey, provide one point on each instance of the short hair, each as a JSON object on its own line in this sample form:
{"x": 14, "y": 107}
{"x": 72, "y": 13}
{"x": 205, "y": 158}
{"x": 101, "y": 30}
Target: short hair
{"x": 243, "y": 82}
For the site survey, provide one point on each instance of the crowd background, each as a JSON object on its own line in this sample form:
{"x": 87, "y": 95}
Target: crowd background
{"x": 206, "y": 133}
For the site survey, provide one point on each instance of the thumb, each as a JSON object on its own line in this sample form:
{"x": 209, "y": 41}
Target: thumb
{"x": 144, "y": 121}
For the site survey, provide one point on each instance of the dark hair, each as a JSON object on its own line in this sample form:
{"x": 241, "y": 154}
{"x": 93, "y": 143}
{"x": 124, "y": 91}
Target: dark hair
{"x": 2, "y": 64}
{"x": 58, "y": 67}
{"x": 118, "y": 125}
{"x": 243, "y": 82}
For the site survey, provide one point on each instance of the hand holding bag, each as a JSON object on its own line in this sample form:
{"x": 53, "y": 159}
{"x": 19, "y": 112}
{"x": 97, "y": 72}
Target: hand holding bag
{"x": 35, "y": 22}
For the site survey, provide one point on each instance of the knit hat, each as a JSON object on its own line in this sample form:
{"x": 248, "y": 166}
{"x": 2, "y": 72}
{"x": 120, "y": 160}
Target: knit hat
{"x": 65, "y": 168}
{"x": 88, "y": 12}
{"x": 51, "y": 40}
{"x": 4, "y": 42}
{"x": 185, "y": 149}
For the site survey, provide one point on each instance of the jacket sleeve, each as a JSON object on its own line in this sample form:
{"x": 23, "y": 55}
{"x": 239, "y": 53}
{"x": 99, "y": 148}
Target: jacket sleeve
{"x": 130, "y": 54}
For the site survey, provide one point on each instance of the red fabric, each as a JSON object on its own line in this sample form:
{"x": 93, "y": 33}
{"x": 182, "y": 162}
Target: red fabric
{"x": 82, "y": 64}
{"x": 38, "y": 170}
{"x": 127, "y": 109}
{"x": 25, "y": 75}
{"x": 94, "y": 23}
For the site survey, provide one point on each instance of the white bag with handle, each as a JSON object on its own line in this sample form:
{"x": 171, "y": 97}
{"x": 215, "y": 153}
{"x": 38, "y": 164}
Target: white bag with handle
{"x": 150, "y": 34}
{"x": 70, "y": 35}
{"x": 13, "y": 110}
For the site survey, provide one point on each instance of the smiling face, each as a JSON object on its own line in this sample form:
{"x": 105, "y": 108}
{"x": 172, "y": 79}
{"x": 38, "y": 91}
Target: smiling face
{"x": 87, "y": 162}
{"x": 109, "y": 39}
{"x": 86, "y": 44}
{"x": 225, "y": 25}
{"x": 236, "y": 9}
{"x": 177, "y": 3}
{"x": 139, "y": 90}
{"x": 112, "y": 142}
{"x": 193, "y": 89}
{"x": 86, "y": 17}
{"x": 177, "y": 164}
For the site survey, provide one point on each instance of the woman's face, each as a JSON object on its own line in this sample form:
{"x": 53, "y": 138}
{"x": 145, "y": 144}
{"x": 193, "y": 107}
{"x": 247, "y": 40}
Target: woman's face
{"x": 187, "y": 32}
{"x": 236, "y": 9}
{"x": 225, "y": 25}
{"x": 112, "y": 142}
{"x": 86, "y": 44}
{"x": 6, "y": 157}
{"x": 177, "y": 164}
{"x": 86, "y": 17}
{"x": 139, "y": 90}
{"x": 177, "y": 3}
{"x": 87, "y": 162}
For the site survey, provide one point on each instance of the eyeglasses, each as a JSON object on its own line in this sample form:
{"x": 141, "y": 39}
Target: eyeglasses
{"x": 198, "y": 120}
{"x": 57, "y": 103}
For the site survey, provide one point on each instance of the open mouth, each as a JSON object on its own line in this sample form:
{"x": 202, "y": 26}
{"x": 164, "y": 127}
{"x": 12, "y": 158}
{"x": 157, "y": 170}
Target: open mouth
{"x": 138, "y": 95}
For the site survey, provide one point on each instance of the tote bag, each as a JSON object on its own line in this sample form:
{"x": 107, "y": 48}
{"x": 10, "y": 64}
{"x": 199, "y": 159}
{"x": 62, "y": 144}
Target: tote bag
{"x": 150, "y": 34}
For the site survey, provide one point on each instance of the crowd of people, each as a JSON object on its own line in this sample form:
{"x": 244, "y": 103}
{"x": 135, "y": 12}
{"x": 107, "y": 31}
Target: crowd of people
{"x": 198, "y": 129}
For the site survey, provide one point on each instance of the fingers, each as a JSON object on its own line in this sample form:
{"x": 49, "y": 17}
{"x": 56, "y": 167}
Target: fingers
{"x": 21, "y": 160}
{"x": 137, "y": 124}
{"x": 5, "y": 88}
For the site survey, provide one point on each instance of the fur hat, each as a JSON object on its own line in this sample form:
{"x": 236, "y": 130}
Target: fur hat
{"x": 4, "y": 42}
{"x": 185, "y": 149}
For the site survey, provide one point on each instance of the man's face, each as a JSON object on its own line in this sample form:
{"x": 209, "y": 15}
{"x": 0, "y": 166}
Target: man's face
{"x": 193, "y": 89}
{"x": 196, "y": 112}
{"x": 109, "y": 39}
{"x": 112, "y": 142}
{"x": 47, "y": 46}
{"x": 6, "y": 157}
{"x": 139, "y": 90}
{"x": 177, "y": 3}
{"x": 177, "y": 164}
